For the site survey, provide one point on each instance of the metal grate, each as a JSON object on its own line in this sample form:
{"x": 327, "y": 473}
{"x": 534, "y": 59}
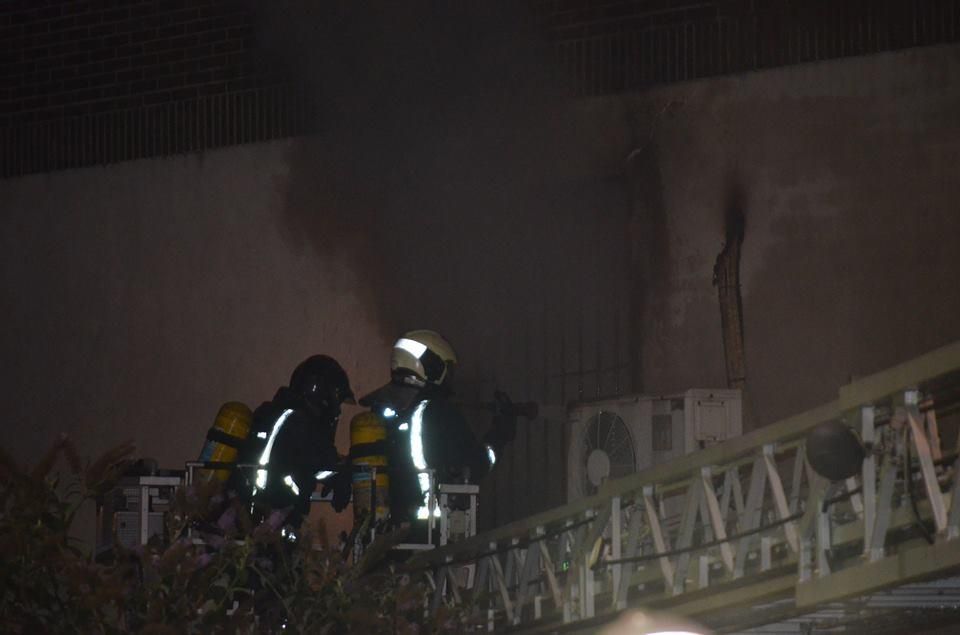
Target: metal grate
{"x": 158, "y": 130}
{"x": 662, "y": 433}
{"x": 606, "y": 435}
{"x": 608, "y": 46}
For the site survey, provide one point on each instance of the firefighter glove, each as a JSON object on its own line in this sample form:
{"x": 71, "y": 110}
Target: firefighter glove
{"x": 341, "y": 484}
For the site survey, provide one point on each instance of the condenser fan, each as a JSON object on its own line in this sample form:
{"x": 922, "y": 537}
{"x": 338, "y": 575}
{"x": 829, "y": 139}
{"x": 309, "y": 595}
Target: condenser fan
{"x": 607, "y": 451}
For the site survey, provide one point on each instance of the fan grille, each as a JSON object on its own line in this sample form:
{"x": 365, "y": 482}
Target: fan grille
{"x": 607, "y": 433}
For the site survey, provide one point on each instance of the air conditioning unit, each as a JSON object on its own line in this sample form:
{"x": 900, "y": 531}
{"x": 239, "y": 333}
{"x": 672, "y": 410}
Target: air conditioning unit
{"x": 615, "y": 438}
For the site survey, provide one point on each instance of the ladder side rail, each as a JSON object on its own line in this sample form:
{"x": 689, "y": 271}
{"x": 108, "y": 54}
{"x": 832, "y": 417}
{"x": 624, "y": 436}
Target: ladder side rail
{"x": 617, "y": 513}
{"x": 631, "y": 550}
{"x": 529, "y": 570}
{"x": 685, "y": 534}
{"x": 925, "y": 453}
{"x": 796, "y": 480}
{"x": 868, "y": 479}
{"x": 716, "y": 518}
{"x": 750, "y": 519}
{"x": 501, "y": 585}
{"x": 660, "y": 545}
{"x": 781, "y": 506}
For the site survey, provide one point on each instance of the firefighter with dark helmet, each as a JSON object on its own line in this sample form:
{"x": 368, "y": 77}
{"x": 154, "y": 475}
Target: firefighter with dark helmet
{"x": 426, "y": 431}
{"x": 292, "y": 441}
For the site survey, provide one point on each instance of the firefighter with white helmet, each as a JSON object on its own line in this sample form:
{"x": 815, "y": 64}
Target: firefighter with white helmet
{"x": 426, "y": 430}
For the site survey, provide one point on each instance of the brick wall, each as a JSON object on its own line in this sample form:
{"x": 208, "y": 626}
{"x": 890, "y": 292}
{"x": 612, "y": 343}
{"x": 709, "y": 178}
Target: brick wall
{"x": 96, "y": 81}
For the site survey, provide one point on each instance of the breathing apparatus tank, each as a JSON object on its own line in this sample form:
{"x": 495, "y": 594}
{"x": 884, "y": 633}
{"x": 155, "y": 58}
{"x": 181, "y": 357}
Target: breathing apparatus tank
{"x": 368, "y": 436}
{"x": 229, "y": 430}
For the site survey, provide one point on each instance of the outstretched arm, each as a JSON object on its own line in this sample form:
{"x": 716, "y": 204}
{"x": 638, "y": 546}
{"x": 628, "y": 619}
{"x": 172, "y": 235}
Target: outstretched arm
{"x": 504, "y": 426}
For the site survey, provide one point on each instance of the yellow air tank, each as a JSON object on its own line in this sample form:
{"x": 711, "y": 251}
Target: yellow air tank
{"x": 229, "y": 430}
{"x": 368, "y": 436}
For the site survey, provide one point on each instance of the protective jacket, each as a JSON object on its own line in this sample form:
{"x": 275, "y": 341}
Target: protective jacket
{"x": 429, "y": 432}
{"x": 433, "y": 434}
{"x": 289, "y": 444}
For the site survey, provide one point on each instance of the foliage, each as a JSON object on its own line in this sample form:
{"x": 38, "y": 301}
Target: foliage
{"x": 240, "y": 579}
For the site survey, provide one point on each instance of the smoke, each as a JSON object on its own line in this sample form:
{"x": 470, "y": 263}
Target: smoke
{"x": 450, "y": 168}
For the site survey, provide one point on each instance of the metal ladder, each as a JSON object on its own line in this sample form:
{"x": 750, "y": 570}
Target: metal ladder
{"x": 743, "y": 535}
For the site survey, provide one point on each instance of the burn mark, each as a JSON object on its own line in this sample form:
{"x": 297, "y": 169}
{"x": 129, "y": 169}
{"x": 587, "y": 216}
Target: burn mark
{"x": 726, "y": 277}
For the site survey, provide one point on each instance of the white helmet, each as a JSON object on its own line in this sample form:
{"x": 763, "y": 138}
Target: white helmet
{"x": 422, "y": 357}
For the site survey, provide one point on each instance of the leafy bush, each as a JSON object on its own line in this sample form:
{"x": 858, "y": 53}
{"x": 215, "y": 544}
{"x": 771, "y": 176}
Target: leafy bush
{"x": 240, "y": 579}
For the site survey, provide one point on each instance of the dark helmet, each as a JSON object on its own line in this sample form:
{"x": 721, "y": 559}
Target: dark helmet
{"x": 322, "y": 382}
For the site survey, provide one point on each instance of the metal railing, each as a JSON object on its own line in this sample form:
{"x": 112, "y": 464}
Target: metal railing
{"x": 743, "y": 524}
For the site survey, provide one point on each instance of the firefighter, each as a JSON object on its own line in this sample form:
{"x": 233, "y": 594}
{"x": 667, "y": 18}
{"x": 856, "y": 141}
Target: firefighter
{"x": 426, "y": 431}
{"x": 292, "y": 442}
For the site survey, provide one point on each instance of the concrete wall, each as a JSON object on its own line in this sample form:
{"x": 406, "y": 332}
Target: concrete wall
{"x": 846, "y": 172}
{"x": 138, "y": 298}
